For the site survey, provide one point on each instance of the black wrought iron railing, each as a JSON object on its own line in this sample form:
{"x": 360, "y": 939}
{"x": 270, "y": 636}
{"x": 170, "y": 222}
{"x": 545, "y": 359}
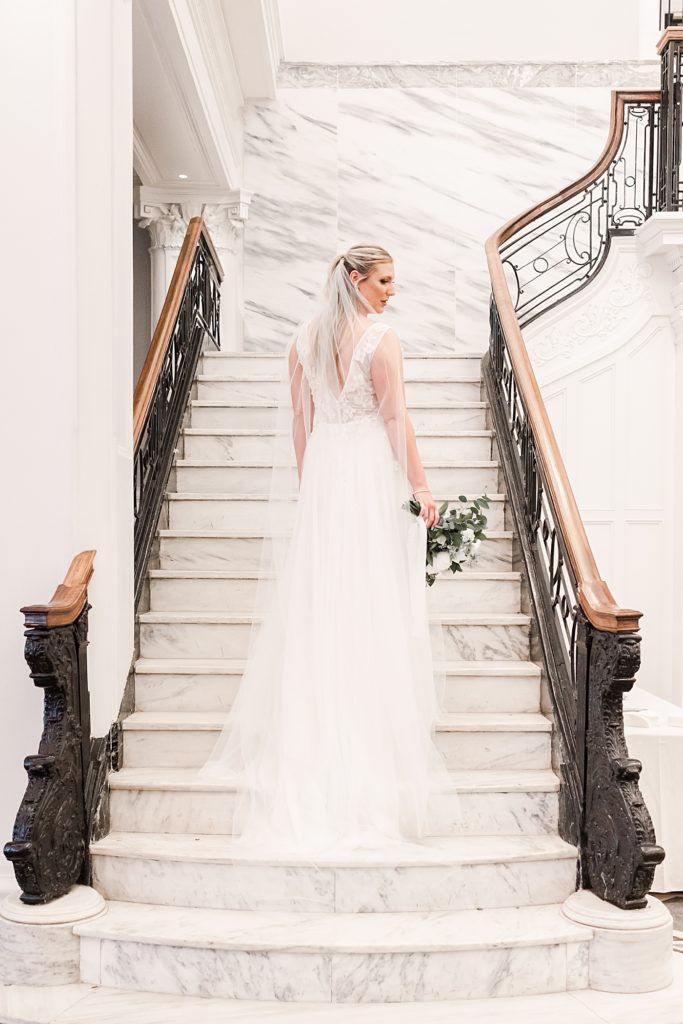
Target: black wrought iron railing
{"x": 591, "y": 647}
{"x": 191, "y": 313}
{"x": 559, "y": 250}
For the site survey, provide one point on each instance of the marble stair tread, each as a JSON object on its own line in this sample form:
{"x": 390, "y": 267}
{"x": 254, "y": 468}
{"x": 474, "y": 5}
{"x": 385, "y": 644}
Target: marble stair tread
{"x": 256, "y": 496}
{"x": 454, "y": 619}
{"x": 255, "y": 574}
{"x": 407, "y": 356}
{"x": 475, "y": 780}
{"x": 265, "y": 432}
{"x": 241, "y": 531}
{"x": 292, "y": 931}
{"x": 464, "y": 721}
{"x": 270, "y": 403}
{"x": 427, "y": 851}
{"x": 217, "y": 666}
{"x": 260, "y": 464}
{"x": 270, "y": 378}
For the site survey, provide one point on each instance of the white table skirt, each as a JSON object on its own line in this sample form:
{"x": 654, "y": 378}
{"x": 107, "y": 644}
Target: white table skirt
{"x": 654, "y": 735}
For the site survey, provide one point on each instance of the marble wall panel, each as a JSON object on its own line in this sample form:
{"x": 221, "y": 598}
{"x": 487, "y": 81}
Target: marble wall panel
{"x": 426, "y": 163}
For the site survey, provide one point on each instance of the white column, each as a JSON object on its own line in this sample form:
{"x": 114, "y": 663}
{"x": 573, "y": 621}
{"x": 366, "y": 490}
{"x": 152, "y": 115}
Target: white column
{"x": 166, "y": 230}
{"x": 662, "y": 237}
{"x": 167, "y": 223}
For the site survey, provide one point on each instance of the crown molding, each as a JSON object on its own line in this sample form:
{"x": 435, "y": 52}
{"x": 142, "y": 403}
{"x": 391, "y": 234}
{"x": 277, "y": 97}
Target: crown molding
{"x": 143, "y": 161}
{"x": 206, "y": 42}
{"x": 256, "y": 36}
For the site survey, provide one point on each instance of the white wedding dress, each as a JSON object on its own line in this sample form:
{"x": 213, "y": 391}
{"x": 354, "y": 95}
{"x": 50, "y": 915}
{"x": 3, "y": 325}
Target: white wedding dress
{"x": 331, "y": 735}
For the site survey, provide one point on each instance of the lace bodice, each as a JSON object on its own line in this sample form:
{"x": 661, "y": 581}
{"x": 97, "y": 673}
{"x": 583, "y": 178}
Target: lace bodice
{"x": 357, "y": 400}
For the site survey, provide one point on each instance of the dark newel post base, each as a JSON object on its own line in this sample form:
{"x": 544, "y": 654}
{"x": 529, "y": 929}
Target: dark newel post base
{"x": 48, "y": 842}
{"x": 619, "y": 853}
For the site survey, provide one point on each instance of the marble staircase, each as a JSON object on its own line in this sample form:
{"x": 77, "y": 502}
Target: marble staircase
{"x": 477, "y": 911}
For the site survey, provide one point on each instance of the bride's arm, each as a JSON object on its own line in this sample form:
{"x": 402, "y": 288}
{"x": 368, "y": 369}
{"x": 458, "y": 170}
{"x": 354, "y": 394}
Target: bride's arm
{"x": 386, "y": 370}
{"x": 387, "y": 379}
{"x": 302, "y": 406}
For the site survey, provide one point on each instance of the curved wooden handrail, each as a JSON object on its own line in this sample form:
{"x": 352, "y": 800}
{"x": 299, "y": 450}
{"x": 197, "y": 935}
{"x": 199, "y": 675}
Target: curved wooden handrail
{"x": 594, "y": 595}
{"x": 68, "y": 600}
{"x": 144, "y": 389}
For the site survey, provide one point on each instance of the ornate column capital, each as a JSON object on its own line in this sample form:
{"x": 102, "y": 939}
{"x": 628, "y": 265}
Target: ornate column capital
{"x": 166, "y": 214}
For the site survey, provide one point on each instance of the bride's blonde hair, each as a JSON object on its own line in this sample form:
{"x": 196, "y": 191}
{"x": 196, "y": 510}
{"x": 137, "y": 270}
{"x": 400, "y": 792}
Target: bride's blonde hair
{"x": 338, "y": 309}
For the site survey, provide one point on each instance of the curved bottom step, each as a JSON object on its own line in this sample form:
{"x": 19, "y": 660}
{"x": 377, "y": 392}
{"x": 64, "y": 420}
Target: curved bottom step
{"x": 340, "y": 958}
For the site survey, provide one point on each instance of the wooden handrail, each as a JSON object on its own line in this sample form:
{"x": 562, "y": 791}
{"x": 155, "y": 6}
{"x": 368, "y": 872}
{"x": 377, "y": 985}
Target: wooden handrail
{"x": 68, "y": 600}
{"x": 594, "y": 595}
{"x": 144, "y": 389}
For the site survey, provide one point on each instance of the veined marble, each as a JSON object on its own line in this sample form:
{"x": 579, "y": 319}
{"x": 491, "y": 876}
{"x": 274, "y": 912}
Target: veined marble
{"x": 427, "y": 170}
{"x": 240, "y": 548}
{"x": 474, "y": 637}
{"x": 339, "y": 957}
{"x": 82, "y": 1004}
{"x": 643, "y": 74}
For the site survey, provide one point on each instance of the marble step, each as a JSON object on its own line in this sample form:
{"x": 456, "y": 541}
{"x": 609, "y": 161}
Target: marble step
{"x": 240, "y": 548}
{"x": 210, "y": 685}
{"x": 192, "y": 634}
{"x": 222, "y": 444}
{"x": 187, "y": 511}
{"x": 334, "y": 958}
{"x": 424, "y": 416}
{"x": 265, "y": 387}
{"x": 477, "y": 803}
{"x": 216, "y": 477}
{"x": 184, "y": 739}
{"x": 416, "y": 366}
{"x": 438, "y": 873}
{"x": 222, "y": 590}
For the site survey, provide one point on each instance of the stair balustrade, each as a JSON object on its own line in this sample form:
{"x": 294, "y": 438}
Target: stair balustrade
{"x": 590, "y": 646}
{"x": 191, "y": 313}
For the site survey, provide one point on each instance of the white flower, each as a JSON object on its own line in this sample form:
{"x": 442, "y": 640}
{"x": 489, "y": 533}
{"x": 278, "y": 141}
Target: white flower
{"x": 458, "y": 556}
{"x": 441, "y": 561}
{"x": 468, "y": 535}
{"x": 474, "y": 545}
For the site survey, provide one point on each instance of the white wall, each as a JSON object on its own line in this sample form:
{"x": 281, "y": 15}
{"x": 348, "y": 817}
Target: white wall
{"x": 67, "y": 357}
{"x": 606, "y": 364}
{"x": 331, "y": 31}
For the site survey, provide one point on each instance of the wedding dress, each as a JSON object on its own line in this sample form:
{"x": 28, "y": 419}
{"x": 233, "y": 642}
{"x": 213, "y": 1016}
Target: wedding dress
{"x": 330, "y": 739}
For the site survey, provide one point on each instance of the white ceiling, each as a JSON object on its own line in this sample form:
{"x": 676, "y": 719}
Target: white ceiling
{"x": 356, "y": 31}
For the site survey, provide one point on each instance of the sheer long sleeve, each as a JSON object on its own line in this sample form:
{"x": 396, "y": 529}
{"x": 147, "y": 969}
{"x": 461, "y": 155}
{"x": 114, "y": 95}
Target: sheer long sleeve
{"x": 302, "y": 407}
{"x": 388, "y": 381}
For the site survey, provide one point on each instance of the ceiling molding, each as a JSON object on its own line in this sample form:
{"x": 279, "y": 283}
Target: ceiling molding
{"x": 143, "y": 161}
{"x": 254, "y": 29}
{"x": 208, "y": 50}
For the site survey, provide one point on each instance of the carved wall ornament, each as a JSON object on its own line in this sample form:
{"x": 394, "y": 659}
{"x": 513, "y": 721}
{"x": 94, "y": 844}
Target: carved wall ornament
{"x": 598, "y": 321}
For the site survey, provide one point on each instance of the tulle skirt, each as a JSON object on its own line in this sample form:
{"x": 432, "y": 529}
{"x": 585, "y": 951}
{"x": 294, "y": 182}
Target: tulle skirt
{"x": 330, "y": 740}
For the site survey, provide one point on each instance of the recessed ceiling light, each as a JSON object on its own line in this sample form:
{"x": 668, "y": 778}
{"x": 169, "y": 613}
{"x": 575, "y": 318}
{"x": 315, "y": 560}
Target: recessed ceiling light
{"x": 182, "y": 175}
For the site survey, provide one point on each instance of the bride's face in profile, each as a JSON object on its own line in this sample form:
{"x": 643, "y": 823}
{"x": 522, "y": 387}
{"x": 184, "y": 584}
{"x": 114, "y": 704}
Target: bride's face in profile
{"x": 378, "y": 287}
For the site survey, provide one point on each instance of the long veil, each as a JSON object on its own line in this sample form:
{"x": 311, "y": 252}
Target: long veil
{"x": 271, "y": 743}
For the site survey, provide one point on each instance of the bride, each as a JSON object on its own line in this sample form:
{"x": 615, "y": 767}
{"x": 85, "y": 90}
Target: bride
{"x": 330, "y": 740}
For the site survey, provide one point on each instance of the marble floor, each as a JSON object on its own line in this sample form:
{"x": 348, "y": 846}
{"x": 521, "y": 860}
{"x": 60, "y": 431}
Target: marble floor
{"x": 83, "y": 1004}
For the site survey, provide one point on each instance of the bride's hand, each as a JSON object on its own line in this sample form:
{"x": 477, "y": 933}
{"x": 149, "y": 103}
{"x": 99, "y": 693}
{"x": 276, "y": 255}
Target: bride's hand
{"x": 427, "y": 507}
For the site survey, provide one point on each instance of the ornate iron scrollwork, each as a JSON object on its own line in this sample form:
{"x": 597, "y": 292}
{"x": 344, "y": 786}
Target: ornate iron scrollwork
{"x": 198, "y": 317}
{"x": 560, "y": 251}
{"x": 48, "y": 847}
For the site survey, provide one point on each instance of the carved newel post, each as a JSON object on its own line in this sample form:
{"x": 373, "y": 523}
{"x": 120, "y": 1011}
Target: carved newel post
{"x": 49, "y": 845}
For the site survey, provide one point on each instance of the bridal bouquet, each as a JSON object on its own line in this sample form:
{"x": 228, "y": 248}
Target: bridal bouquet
{"x": 456, "y": 536}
